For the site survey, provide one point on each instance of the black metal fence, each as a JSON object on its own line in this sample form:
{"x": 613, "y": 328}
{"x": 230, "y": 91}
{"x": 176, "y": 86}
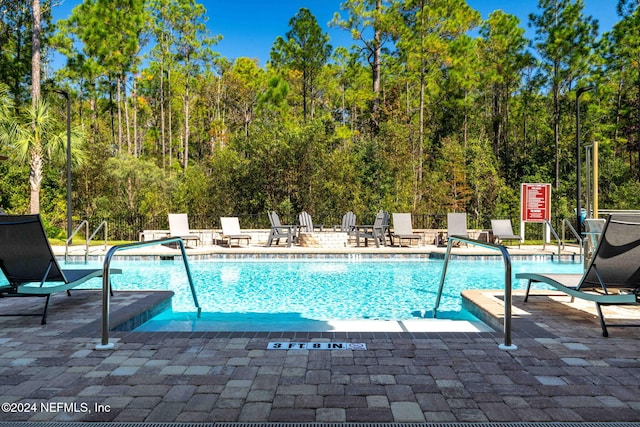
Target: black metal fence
{"x": 128, "y": 228}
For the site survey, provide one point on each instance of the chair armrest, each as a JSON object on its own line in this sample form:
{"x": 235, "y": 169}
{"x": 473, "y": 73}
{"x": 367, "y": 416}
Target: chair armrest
{"x": 362, "y": 227}
{"x": 286, "y": 227}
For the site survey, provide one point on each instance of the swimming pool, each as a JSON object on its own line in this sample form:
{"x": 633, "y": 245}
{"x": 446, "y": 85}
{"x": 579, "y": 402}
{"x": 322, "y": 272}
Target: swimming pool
{"x": 273, "y": 294}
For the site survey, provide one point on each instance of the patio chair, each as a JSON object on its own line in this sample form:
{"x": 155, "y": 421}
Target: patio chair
{"x": 377, "y": 231}
{"x": 29, "y": 265}
{"x": 457, "y": 225}
{"x": 231, "y": 230}
{"x": 502, "y": 231}
{"x": 348, "y": 225}
{"x": 279, "y": 231}
{"x": 305, "y": 223}
{"x": 179, "y": 227}
{"x": 613, "y": 275}
{"x": 402, "y": 228}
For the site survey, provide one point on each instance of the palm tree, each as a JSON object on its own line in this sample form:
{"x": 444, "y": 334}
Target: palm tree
{"x": 37, "y": 137}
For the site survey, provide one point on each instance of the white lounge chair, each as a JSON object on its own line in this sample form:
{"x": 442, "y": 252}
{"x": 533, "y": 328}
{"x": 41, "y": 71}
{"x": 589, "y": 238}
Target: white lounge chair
{"x": 402, "y": 228}
{"x": 457, "y": 225}
{"x": 503, "y": 231}
{"x": 179, "y": 227}
{"x": 231, "y": 230}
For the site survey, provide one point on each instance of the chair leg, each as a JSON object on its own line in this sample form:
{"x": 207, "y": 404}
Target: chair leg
{"x": 44, "y": 312}
{"x": 603, "y": 325}
{"x": 376, "y": 238}
{"x": 526, "y": 293}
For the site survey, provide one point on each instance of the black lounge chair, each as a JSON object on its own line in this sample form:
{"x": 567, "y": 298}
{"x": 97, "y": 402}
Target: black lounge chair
{"x": 29, "y": 265}
{"x": 613, "y": 275}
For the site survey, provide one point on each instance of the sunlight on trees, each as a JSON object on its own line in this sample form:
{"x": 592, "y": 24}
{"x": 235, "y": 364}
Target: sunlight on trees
{"x": 431, "y": 110}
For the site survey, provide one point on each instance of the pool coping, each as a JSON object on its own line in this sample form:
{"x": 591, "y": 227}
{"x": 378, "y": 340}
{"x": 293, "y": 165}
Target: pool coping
{"x": 127, "y": 318}
{"x": 486, "y": 305}
{"x": 324, "y": 256}
{"x": 160, "y": 252}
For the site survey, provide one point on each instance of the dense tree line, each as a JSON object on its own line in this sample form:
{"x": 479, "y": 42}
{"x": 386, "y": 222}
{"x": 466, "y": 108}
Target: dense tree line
{"x": 431, "y": 110}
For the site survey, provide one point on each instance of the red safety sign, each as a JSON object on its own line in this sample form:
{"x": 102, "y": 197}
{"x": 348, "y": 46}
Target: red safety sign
{"x": 535, "y": 203}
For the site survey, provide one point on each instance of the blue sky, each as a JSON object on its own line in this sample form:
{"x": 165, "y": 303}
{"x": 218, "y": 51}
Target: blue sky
{"x": 249, "y": 27}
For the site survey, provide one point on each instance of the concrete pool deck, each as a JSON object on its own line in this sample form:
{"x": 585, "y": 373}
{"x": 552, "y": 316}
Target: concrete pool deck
{"x": 259, "y": 249}
{"x": 562, "y": 371}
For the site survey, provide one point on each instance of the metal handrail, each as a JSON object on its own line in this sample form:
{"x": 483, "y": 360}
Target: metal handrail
{"x": 106, "y": 281}
{"x": 553, "y": 231}
{"x": 87, "y": 238}
{"x": 103, "y": 224}
{"x": 577, "y": 235}
{"x": 70, "y": 239}
{"x": 507, "y": 345}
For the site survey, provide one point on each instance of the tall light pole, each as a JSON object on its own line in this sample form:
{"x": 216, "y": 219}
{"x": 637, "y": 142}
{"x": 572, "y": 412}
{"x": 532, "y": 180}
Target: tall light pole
{"x": 68, "y": 99}
{"x": 579, "y": 92}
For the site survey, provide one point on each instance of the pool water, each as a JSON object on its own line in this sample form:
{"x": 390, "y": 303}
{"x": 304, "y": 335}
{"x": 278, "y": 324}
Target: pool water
{"x": 318, "y": 291}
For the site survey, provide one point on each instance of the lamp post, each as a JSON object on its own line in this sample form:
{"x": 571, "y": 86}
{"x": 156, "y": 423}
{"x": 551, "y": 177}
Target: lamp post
{"x": 579, "y": 92}
{"x": 68, "y": 99}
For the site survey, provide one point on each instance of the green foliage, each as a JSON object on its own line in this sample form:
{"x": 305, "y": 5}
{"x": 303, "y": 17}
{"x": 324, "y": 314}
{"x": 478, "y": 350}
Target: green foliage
{"x": 458, "y": 192}
{"x": 14, "y": 187}
{"x": 421, "y": 114}
{"x": 138, "y": 186}
{"x": 232, "y": 192}
{"x": 565, "y": 39}
{"x": 16, "y": 23}
{"x": 306, "y": 49}
{"x": 627, "y": 195}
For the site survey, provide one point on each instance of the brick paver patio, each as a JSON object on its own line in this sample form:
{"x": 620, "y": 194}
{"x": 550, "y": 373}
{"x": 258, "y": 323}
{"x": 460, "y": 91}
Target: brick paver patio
{"x": 563, "y": 370}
